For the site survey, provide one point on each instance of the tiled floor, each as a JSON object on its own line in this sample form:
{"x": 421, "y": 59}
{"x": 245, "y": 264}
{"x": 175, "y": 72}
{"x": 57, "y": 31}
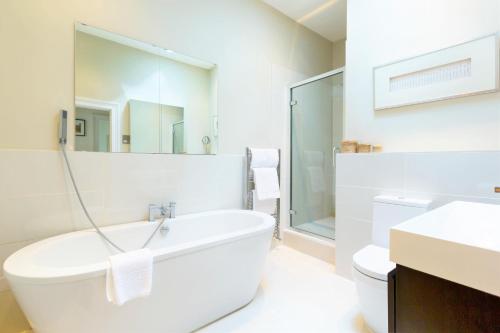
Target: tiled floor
{"x": 299, "y": 293}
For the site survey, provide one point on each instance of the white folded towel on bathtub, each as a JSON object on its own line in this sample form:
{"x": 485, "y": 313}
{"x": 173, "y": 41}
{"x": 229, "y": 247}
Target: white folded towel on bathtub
{"x": 129, "y": 276}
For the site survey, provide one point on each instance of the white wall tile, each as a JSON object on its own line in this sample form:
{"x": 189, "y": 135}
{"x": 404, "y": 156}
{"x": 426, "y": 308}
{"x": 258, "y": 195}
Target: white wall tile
{"x": 91, "y": 170}
{"x": 442, "y": 177}
{"x": 34, "y": 217}
{"x": 37, "y": 199}
{"x": 371, "y": 170}
{"x": 455, "y": 173}
{"x": 94, "y": 201}
{"x": 357, "y": 202}
{"x": 351, "y": 235}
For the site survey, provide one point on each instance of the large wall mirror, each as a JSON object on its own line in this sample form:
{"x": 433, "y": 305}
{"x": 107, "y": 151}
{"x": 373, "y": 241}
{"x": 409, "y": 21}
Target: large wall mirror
{"x": 135, "y": 97}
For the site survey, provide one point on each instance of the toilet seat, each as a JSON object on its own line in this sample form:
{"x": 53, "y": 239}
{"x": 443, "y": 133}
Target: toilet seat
{"x": 374, "y": 262}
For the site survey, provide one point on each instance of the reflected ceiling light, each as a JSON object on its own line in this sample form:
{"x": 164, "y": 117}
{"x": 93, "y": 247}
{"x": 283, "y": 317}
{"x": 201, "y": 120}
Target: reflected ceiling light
{"x": 147, "y": 47}
{"x": 316, "y": 11}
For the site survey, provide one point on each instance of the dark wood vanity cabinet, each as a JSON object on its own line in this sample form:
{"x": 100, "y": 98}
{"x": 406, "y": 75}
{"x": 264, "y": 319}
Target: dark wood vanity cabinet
{"x": 424, "y": 303}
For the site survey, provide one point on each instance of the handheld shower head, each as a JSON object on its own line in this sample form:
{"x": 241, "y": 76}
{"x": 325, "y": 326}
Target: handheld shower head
{"x": 63, "y": 127}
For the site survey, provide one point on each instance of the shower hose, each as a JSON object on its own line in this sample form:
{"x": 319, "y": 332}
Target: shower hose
{"x": 89, "y": 218}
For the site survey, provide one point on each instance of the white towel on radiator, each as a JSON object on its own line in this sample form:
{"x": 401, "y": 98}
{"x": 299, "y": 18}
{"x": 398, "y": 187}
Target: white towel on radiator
{"x": 265, "y": 206}
{"x": 266, "y": 183}
{"x": 265, "y": 174}
{"x": 129, "y": 276}
{"x": 264, "y": 158}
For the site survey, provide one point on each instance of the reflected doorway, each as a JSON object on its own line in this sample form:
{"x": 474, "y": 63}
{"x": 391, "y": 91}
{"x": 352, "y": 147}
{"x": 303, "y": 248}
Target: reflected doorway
{"x": 92, "y": 130}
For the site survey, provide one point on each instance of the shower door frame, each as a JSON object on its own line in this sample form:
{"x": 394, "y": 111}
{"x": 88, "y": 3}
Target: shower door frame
{"x": 290, "y": 103}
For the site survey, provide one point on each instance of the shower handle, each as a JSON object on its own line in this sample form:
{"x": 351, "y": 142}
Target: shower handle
{"x": 335, "y": 150}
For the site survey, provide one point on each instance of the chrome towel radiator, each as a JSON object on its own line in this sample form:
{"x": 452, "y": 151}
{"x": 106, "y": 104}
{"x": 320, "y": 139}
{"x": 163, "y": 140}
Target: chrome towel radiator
{"x": 251, "y": 186}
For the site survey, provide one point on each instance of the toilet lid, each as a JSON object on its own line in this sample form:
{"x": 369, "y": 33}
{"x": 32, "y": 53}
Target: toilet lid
{"x": 373, "y": 261}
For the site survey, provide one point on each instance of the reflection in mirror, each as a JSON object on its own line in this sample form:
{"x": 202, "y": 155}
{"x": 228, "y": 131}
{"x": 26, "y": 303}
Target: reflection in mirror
{"x": 134, "y": 97}
{"x": 92, "y": 130}
{"x": 152, "y": 126}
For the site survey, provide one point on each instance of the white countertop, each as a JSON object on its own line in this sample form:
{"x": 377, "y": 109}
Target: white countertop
{"x": 459, "y": 242}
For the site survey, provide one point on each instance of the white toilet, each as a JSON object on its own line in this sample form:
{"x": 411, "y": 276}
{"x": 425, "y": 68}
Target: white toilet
{"x": 371, "y": 264}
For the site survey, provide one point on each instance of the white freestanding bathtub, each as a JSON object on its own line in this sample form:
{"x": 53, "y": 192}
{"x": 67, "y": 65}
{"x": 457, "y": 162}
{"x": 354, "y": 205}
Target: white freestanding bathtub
{"x": 205, "y": 267}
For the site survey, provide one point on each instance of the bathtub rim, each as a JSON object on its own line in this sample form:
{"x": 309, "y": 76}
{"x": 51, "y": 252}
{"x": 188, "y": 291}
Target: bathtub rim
{"x": 32, "y": 275}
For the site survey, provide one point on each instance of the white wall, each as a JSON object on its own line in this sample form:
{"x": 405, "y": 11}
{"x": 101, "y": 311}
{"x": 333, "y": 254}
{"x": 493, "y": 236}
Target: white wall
{"x": 338, "y": 54}
{"x": 384, "y": 31}
{"x": 245, "y": 38}
{"x": 438, "y": 176}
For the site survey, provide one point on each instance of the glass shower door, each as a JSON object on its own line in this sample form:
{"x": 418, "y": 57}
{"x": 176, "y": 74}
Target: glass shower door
{"x": 316, "y": 133}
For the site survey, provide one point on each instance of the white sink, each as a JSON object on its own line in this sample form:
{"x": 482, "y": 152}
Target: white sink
{"x": 459, "y": 242}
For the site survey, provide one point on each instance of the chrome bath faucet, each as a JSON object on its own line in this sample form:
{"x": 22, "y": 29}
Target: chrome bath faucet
{"x": 162, "y": 211}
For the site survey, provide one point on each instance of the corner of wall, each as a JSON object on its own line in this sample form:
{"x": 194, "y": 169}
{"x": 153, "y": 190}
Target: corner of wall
{"x": 338, "y": 54}
{"x": 12, "y": 319}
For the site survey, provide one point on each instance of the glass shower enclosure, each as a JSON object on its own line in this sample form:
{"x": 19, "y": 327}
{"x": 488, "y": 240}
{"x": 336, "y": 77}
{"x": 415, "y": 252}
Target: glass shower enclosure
{"x": 317, "y": 126}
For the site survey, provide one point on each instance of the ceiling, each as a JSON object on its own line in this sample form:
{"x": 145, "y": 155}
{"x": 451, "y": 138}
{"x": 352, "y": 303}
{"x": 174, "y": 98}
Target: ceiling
{"x": 326, "y": 17}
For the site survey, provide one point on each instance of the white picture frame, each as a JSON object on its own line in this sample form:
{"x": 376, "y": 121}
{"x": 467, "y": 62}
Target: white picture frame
{"x": 466, "y": 69}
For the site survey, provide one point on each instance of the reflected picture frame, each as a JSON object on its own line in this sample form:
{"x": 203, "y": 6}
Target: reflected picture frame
{"x": 80, "y": 127}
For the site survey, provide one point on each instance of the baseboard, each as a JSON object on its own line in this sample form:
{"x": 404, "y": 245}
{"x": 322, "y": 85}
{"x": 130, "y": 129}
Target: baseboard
{"x": 316, "y": 247}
